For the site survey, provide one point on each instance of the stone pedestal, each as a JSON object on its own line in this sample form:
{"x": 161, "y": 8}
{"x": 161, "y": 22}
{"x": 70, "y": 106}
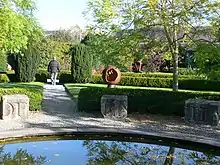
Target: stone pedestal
{"x": 114, "y": 106}
{"x": 200, "y": 111}
{"x": 14, "y": 107}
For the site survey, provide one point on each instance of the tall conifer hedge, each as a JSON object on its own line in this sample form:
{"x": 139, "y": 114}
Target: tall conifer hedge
{"x": 81, "y": 68}
{"x": 26, "y": 64}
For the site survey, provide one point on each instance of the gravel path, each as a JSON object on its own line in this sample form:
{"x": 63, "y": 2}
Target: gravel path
{"x": 59, "y": 110}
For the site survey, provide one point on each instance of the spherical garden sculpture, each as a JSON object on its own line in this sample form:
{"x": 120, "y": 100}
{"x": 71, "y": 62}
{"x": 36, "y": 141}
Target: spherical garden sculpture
{"x": 112, "y": 76}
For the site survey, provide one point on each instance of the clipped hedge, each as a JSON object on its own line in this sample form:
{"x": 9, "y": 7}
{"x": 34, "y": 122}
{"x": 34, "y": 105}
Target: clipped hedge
{"x": 190, "y": 84}
{"x": 157, "y": 82}
{"x": 4, "y": 78}
{"x": 63, "y": 76}
{"x": 144, "y": 100}
{"x": 33, "y": 90}
{"x": 158, "y": 75}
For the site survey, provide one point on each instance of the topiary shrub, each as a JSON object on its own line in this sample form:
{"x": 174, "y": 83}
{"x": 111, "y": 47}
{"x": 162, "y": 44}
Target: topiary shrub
{"x": 81, "y": 69}
{"x": 26, "y": 64}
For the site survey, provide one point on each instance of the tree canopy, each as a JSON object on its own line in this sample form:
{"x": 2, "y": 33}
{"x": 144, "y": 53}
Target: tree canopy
{"x": 18, "y": 24}
{"x": 166, "y": 23}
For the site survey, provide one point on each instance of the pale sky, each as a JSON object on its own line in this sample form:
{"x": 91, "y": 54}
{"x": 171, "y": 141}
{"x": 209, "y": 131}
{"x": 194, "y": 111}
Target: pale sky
{"x": 55, "y": 14}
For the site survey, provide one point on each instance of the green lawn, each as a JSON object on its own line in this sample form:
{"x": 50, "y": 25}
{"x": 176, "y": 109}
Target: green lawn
{"x": 33, "y": 90}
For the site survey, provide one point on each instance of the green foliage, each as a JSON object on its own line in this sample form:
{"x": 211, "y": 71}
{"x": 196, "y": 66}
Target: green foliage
{"x": 107, "y": 50}
{"x": 27, "y": 64}
{"x": 12, "y": 77}
{"x": 49, "y": 48}
{"x": 45, "y": 48}
{"x": 81, "y": 68}
{"x": 160, "y": 75}
{"x": 159, "y": 82}
{"x": 33, "y": 90}
{"x": 156, "y": 24}
{"x": 64, "y": 76}
{"x": 143, "y": 100}
{"x": 43, "y": 75}
{"x": 207, "y": 57}
{"x": 4, "y": 78}
{"x": 18, "y": 25}
{"x": 58, "y": 44}
{"x": 3, "y": 61}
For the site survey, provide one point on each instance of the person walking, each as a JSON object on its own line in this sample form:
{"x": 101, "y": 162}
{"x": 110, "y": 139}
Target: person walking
{"x": 53, "y": 69}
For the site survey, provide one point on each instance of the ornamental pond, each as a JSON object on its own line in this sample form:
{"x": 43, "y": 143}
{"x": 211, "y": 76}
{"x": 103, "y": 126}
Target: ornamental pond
{"x": 104, "y": 150}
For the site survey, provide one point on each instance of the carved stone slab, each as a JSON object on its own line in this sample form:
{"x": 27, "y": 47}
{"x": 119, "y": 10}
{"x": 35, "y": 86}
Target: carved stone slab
{"x": 202, "y": 111}
{"x": 114, "y": 106}
{"x": 14, "y": 107}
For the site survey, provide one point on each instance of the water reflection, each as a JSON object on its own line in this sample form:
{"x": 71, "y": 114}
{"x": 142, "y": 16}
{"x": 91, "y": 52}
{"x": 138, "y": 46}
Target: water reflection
{"x": 21, "y": 157}
{"x": 125, "y": 153}
{"x": 98, "y": 152}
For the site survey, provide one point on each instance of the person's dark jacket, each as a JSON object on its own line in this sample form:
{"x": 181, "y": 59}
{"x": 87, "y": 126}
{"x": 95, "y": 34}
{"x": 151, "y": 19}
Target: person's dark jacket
{"x": 53, "y": 66}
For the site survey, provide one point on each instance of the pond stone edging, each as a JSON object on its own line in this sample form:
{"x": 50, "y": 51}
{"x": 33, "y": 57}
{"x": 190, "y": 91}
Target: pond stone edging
{"x": 56, "y": 131}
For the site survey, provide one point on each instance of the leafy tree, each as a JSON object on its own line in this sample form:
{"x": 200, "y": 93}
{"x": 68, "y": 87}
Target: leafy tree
{"x": 61, "y": 51}
{"x": 207, "y": 57}
{"x": 107, "y": 50}
{"x": 46, "y": 52}
{"x": 18, "y": 25}
{"x": 164, "y": 22}
{"x": 207, "y": 52}
{"x": 58, "y": 44}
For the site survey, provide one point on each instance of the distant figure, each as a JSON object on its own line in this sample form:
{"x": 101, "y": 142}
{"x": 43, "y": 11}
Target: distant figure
{"x": 53, "y": 68}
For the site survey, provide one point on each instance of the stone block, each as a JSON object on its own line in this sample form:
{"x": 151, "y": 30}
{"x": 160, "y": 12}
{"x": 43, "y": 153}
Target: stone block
{"x": 114, "y": 106}
{"x": 200, "y": 111}
{"x": 14, "y": 107}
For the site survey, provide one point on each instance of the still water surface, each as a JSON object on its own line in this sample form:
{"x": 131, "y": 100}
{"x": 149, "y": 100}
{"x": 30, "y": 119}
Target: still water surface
{"x": 99, "y": 152}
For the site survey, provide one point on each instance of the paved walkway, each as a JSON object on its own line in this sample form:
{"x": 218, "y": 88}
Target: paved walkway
{"x": 57, "y": 102}
{"x": 59, "y": 114}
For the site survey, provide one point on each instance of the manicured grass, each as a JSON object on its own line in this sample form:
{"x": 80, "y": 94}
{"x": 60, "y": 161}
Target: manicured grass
{"x": 140, "y": 99}
{"x": 33, "y": 90}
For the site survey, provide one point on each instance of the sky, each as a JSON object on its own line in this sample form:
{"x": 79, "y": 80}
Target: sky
{"x": 56, "y": 14}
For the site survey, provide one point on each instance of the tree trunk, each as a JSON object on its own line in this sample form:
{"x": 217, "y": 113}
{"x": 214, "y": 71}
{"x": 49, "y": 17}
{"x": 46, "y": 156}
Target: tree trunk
{"x": 170, "y": 157}
{"x": 175, "y": 61}
{"x": 175, "y": 72}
